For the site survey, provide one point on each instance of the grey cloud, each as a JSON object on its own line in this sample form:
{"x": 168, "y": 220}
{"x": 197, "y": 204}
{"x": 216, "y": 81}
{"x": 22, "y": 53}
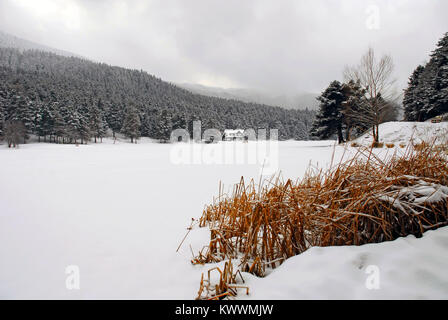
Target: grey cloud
{"x": 282, "y": 46}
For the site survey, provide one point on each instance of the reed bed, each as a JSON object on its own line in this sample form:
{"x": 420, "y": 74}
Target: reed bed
{"x": 226, "y": 287}
{"x": 364, "y": 200}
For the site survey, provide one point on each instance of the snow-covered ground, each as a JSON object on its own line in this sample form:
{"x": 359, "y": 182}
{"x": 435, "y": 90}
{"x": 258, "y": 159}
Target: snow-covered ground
{"x": 407, "y": 268}
{"x": 403, "y": 132}
{"x": 119, "y": 212}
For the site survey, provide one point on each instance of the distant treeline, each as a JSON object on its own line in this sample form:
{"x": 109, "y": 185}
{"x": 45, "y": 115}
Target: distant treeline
{"x": 68, "y": 99}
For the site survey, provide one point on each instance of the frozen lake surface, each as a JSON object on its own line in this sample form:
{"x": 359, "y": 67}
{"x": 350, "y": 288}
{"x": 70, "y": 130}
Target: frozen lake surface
{"x": 119, "y": 211}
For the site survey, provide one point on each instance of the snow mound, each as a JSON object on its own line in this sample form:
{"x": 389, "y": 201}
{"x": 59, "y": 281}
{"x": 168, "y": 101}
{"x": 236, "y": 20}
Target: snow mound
{"x": 404, "y": 132}
{"x": 407, "y": 268}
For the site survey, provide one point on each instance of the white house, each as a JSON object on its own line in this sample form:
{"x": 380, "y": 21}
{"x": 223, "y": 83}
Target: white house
{"x": 233, "y": 135}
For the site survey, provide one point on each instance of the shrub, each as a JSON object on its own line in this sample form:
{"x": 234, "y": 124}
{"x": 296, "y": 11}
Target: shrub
{"x": 421, "y": 146}
{"x": 390, "y": 145}
{"x": 377, "y": 144}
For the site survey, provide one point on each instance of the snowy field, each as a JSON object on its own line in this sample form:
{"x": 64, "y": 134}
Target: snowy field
{"x": 403, "y": 132}
{"x": 119, "y": 212}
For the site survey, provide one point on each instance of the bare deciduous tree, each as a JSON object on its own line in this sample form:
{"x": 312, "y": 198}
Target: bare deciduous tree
{"x": 14, "y": 132}
{"x": 376, "y": 77}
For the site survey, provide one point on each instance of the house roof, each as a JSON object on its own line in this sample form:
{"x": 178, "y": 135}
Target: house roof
{"x": 233, "y": 131}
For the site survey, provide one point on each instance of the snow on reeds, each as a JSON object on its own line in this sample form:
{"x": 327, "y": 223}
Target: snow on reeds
{"x": 364, "y": 200}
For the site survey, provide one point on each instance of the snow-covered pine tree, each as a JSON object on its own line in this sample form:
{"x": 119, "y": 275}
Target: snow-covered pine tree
{"x": 354, "y": 98}
{"x": 2, "y": 113}
{"x": 84, "y": 128}
{"x": 84, "y": 131}
{"x": 439, "y": 59}
{"x": 412, "y": 101}
{"x": 282, "y": 131}
{"x": 329, "y": 119}
{"x": 299, "y": 129}
{"x": 2, "y": 121}
{"x": 114, "y": 117}
{"x": 43, "y": 121}
{"x": 59, "y": 126}
{"x": 179, "y": 121}
{"x": 21, "y": 110}
{"x": 98, "y": 126}
{"x": 149, "y": 123}
{"x": 427, "y": 92}
{"x": 64, "y": 114}
{"x": 73, "y": 125}
{"x": 131, "y": 124}
{"x": 164, "y": 126}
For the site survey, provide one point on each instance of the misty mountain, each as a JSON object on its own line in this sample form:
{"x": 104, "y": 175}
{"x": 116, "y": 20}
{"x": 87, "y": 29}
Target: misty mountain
{"x": 72, "y": 98}
{"x": 299, "y": 101}
{"x": 10, "y": 41}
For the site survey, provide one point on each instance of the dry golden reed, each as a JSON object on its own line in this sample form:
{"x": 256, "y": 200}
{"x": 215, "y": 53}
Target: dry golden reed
{"x": 226, "y": 287}
{"x": 365, "y": 200}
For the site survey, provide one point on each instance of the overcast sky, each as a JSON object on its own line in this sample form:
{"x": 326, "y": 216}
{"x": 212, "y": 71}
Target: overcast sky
{"x": 284, "y": 46}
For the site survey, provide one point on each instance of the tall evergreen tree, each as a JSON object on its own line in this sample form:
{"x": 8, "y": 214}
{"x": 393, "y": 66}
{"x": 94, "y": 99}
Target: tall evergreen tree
{"x": 2, "y": 118}
{"x": 84, "y": 132}
{"x": 412, "y": 102}
{"x": 2, "y": 111}
{"x": 131, "y": 124}
{"x": 164, "y": 125}
{"x": 84, "y": 118}
{"x": 59, "y": 126}
{"x": 427, "y": 92}
{"x": 114, "y": 117}
{"x": 98, "y": 125}
{"x": 439, "y": 61}
{"x": 43, "y": 121}
{"x": 73, "y": 126}
{"x": 21, "y": 111}
{"x": 179, "y": 121}
{"x": 330, "y": 119}
{"x": 354, "y": 99}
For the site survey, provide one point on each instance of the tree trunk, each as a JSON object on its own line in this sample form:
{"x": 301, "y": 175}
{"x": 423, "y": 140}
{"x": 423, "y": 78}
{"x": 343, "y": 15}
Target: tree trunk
{"x": 340, "y": 136}
{"x": 375, "y": 134}
{"x": 347, "y": 133}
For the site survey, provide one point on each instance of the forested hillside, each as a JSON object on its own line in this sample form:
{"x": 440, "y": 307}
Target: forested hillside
{"x": 427, "y": 92}
{"x": 68, "y": 99}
